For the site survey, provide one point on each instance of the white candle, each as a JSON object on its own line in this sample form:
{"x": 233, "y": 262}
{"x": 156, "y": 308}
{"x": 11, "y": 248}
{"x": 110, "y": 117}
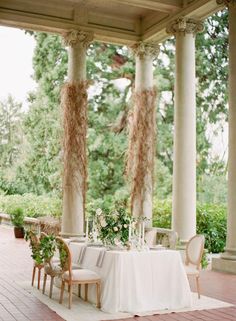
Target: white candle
{"x": 129, "y": 231}
{"x": 139, "y": 234}
{"x": 87, "y": 227}
{"x": 143, "y": 233}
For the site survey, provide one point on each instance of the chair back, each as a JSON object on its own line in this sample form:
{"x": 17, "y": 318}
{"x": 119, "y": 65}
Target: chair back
{"x": 35, "y": 246}
{"x": 194, "y": 250}
{"x": 64, "y": 255}
{"x": 151, "y": 237}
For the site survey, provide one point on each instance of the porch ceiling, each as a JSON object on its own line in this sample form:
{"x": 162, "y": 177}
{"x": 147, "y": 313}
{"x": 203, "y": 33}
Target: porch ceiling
{"x": 116, "y": 21}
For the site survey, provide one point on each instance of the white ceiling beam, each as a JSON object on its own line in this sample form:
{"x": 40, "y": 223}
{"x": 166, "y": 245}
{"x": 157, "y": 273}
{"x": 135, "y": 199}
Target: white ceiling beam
{"x": 156, "y": 5}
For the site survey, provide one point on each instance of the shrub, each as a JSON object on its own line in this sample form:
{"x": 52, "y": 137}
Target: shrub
{"x": 32, "y": 205}
{"x": 211, "y": 222}
{"x": 162, "y": 213}
{"x": 17, "y": 217}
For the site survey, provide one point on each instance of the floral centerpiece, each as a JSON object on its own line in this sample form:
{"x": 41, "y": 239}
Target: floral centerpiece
{"x": 113, "y": 227}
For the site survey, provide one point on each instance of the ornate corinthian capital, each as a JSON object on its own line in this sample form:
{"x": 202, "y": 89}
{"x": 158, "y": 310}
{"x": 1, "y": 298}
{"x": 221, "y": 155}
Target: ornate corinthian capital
{"x": 71, "y": 38}
{"x": 142, "y": 49}
{"x": 226, "y": 2}
{"x": 185, "y": 25}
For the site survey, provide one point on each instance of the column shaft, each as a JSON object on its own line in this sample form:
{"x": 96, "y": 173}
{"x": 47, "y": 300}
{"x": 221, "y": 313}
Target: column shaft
{"x": 184, "y": 167}
{"x": 142, "y": 132}
{"x": 230, "y": 250}
{"x": 142, "y": 205}
{"x": 74, "y": 101}
{"x": 184, "y": 178}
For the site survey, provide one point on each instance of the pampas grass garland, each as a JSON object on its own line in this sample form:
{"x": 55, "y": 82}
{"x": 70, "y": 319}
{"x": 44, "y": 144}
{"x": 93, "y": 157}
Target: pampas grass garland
{"x": 74, "y": 105}
{"x": 142, "y": 137}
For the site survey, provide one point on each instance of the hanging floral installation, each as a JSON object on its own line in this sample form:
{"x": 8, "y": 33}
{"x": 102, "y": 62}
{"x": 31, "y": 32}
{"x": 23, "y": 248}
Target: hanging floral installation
{"x": 142, "y": 137}
{"x": 74, "y": 104}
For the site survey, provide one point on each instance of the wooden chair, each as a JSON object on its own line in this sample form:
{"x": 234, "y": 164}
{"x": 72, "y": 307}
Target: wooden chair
{"x": 75, "y": 277}
{"x": 35, "y": 247}
{"x": 194, "y": 252}
{"x": 52, "y": 267}
{"x": 51, "y": 263}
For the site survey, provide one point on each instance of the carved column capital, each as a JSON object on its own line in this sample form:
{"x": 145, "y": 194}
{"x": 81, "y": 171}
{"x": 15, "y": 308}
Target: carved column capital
{"x": 226, "y": 2}
{"x": 185, "y": 25}
{"x": 72, "y": 37}
{"x": 142, "y": 49}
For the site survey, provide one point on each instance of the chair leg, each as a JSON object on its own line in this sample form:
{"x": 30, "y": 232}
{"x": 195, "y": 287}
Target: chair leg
{"x": 44, "y": 282}
{"x": 33, "y": 275}
{"x": 39, "y": 277}
{"x": 98, "y": 295}
{"x": 198, "y": 286}
{"x": 86, "y": 293}
{"x": 79, "y": 290}
{"x": 62, "y": 291}
{"x": 51, "y": 287}
{"x": 70, "y": 296}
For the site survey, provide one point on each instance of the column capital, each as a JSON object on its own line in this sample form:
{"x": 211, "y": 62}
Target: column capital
{"x": 185, "y": 25}
{"x": 142, "y": 49}
{"x": 226, "y": 2}
{"x": 73, "y": 37}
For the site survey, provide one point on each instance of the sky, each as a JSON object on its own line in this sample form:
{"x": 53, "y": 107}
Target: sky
{"x": 16, "y": 64}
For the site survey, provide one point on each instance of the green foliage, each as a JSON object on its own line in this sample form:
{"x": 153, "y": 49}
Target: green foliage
{"x": 47, "y": 247}
{"x": 11, "y": 136}
{"x": 35, "y": 246}
{"x": 204, "y": 261}
{"x": 63, "y": 255}
{"x": 213, "y": 189}
{"x": 17, "y": 217}
{"x": 162, "y": 213}
{"x": 112, "y": 226}
{"x": 32, "y": 205}
{"x": 211, "y": 222}
{"x": 43, "y": 249}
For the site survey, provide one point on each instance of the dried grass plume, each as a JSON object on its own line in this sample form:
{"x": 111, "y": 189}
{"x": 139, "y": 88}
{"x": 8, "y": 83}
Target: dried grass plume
{"x": 142, "y": 138}
{"x": 74, "y": 105}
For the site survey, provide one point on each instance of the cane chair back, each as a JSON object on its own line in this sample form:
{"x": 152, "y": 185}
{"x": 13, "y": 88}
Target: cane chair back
{"x": 194, "y": 253}
{"x": 194, "y": 250}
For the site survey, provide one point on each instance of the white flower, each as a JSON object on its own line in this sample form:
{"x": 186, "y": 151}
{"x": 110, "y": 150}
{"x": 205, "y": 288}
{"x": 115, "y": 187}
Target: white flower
{"x": 98, "y": 211}
{"x": 125, "y": 225}
{"x": 103, "y": 223}
{"x": 116, "y": 241}
{"x": 115, "y": 229}
{"x": 115, "y": 214}
{"x": 134, "y": 225}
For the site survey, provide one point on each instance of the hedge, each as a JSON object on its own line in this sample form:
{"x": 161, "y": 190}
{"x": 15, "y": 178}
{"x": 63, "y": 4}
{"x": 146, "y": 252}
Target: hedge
{"x": 211, "y": 218}
{"x": 32, "y": 205}
{"x": 211, "y": 221}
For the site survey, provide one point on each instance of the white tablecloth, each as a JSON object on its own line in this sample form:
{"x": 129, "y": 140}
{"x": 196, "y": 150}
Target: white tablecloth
{"x": 135, "y": 281}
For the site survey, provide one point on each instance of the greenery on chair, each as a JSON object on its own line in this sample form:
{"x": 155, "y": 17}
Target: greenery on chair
{"x": 35, "y": 246}
{"x": 43, "y": 249}
{"x": 47, "y": 247}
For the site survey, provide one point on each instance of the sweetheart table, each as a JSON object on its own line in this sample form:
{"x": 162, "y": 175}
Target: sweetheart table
{"x": 136, "y": 281}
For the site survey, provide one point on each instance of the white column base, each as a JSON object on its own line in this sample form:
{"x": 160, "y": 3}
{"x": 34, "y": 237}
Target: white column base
{"x": 67, "y": 235}
{"x": 229, "y": 254}
{"x": 224, "y": 265}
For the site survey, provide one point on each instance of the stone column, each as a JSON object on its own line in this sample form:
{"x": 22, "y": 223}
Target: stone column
{"x": 142, "y": 136}
{"x": 230, "y": 250}
{"x": 184, "y": 167}
{"x": 74, "y": 103}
